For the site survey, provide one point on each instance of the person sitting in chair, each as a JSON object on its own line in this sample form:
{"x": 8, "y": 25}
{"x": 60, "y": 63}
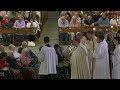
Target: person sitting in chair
{"x": 6, "y": 25}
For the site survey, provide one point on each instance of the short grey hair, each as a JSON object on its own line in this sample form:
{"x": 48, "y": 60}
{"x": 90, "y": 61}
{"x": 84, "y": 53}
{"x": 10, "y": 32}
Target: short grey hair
{"x": 24, "y": 51}
{"x": 11, "y": 47}
{"x": 10, "y": 54}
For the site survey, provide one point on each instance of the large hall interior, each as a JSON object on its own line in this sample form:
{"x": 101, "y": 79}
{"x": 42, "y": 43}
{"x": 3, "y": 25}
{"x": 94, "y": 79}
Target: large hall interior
{"x": 59, "y": 44}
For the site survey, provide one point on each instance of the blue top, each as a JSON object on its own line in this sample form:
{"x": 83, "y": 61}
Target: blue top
{"x": 6, "y": 25}
{"x": 103, "y": 22}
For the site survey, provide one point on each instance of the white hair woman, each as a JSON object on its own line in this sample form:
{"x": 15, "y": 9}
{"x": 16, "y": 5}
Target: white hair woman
{"x": 74, "y": 24}
{"x": 25, "y": 58}
{"x": 24, "y": 45}
{"x": 15, "y": 53}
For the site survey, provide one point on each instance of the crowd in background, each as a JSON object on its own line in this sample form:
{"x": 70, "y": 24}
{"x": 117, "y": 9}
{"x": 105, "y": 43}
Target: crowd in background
{"x": 74, "y": 19}
{"x": 19, "y": 20}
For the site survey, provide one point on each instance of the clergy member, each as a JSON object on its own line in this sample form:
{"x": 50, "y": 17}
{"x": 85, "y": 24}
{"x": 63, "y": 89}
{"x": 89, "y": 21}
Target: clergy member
{"x": 91, "y": 41}
{"x": 101, "y": 57}
{"x": 79, "y": 61}
{"x": 49, "y": 61}
{"x": 116, "y": 59}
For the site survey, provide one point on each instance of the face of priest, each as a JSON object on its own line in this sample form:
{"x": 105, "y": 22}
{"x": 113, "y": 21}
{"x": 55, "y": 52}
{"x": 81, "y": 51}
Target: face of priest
{"x": 115, "y": 16}
{"x": 79, "y": 36}
{"x": 98, "y": 40}
{"x": 74, "y": 43}
{"x": 115, "y": 42}
{"x": 89, "y": 36}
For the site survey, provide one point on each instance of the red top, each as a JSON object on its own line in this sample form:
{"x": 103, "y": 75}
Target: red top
{"x": 3, "y": 21}
{"x": 2, "y": 64}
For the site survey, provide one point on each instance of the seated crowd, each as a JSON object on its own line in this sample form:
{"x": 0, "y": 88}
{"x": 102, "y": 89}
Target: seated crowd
{"x": 76, "y": 19}
{"x": 21, "y": 21}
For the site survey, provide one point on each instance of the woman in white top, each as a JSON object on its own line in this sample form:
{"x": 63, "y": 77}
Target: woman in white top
{"x": 113, "y": 21}
{"x": 15, "y": 53}
{"x": 33, "y": 24}
{"x": 74, "y": 24}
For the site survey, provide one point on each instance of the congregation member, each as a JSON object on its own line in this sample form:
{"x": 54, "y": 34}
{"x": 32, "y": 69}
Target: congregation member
{"x": 73, "y": 24}
{"x": 59, "y": 52}
{"x": 116, "y": 59}
{"x": 96, "y": 17}
{"x": 4, "y": 18}
{"x": 89, "y": 22}
{"x": 79, "y": 61}
{"x": 15, "y": 53}
{"x": 85, "y": 17}
{"x": 4, "y": 67}
{"x": 68, "y": 16}
{"x": 113, "y": 21}
{"x": 25, "y": 59}
{"x": 6, "y": 37}
{"x": 33, "y": 57}
{"x": 35, "y": 16}
{"x": 104, "y": 23}
{"x": 49, "y": 60}
{"x": 101, "y": 57}
{"x": 35, "y": 25}
{"x": 63, "y": 23}
{"x": 78, "y": 18}
{"x": 19, "y": 24}
{"x": 2, "y": 13}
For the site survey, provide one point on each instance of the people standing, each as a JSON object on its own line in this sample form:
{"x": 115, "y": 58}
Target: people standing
{"x": 79, "y": 61}
{"x": 116, "y": 59}
{"x": 49, "y": 60}
{"x": 101, "y": 57}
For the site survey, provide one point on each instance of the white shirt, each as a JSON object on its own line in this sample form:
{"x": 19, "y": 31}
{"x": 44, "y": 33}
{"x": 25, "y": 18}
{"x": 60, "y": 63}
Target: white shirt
{"x": 116, "y": 63}
{"x": 16, "y": 55}
{"x": 35, "y": 25}
{"x": 113, "y": 22}
{"x": 101, "y": 69}
{"x": 63, "y": 24}
{"x": 49, "y": 60}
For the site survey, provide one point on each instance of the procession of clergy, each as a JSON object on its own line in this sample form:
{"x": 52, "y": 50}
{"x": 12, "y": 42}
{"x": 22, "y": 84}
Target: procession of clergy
{"x": 90, "y": 55}
{"x": 87, "y": 57}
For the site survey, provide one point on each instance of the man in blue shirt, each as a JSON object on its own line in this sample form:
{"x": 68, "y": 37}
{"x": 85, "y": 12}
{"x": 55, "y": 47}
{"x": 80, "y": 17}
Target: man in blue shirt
{"x": 104, "y": 22}
{"x": 6, "y": 25}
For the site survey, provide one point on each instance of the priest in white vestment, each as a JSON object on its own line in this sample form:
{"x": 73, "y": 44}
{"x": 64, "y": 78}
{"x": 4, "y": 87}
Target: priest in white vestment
{"x": 79, "y": 62}
{"x": 100, "y": 54}
{"x": 116, "y": 59}
{"x": 49, "y": 61}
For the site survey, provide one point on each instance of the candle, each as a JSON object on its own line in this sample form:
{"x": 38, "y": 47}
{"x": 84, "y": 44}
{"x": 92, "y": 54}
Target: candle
{"x": 94, "y": 29}
{"x": 111, "y": 26}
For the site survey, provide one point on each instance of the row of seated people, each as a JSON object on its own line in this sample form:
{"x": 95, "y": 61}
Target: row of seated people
{"x": 18, "y": 64}
{"x": 23, "y": 64}
{"x": 19, "y": 24}
{"x": 88, "y": 21}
